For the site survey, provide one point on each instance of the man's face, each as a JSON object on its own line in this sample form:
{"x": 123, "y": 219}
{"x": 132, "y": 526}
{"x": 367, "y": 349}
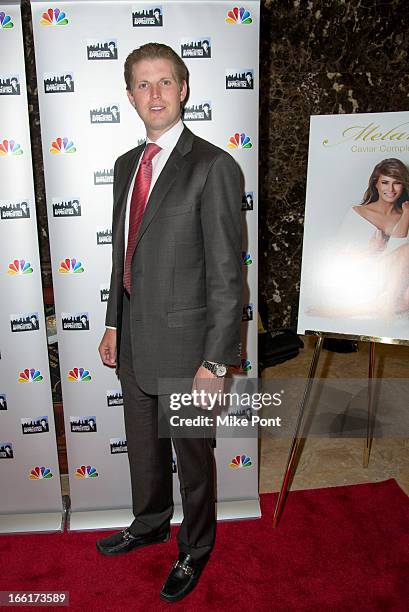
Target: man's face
{"x": 156, "y": 95}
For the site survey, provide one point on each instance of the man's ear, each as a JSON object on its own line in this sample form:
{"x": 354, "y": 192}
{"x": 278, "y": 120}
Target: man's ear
{"x": 130, "y": 97}
{"x": 183, "y": 91}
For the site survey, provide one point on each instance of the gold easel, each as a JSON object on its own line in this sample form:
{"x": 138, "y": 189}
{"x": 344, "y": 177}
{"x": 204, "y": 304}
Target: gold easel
{"x": 290, "y": 469}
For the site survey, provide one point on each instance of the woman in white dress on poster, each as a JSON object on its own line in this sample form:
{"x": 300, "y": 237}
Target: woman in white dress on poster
{"x": 365, "y": 272}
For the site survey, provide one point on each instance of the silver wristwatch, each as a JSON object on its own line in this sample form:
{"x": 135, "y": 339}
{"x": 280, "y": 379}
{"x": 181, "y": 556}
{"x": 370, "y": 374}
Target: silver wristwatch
{"x": 218, "y": 369}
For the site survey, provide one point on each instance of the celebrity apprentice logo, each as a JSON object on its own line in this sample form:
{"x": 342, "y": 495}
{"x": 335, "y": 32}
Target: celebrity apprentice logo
{"x": 247, "y": 200}
{"x": 104, "y": 177}
{"x": 62, "y": 146}
{"x": 247, "y": 312}
{"x": 9, "y": 85}
{"x": 83, "y": 424}
{"x": 198, "y": 112}
{"x": 10, "y": 148}
{"x": 148, "y": 17}
{"x": 114, "y": 398}
{"x": 106, "y": 114}
{"x": 75, "y": 322}
{"x": 104, "y": 236}
{"x": 40, "y": 473}
{"x": 118, "y": 445}
{"x": 54, "y": 17}
{"x": 66, "y": 208}
{"x": 240, "y": 79}
{"x": 86, "y": 471}
{"x": 6, "y": 450}
{"x": 71, "y": 266}
{"x": 59, "y": 83}
{"x": 5, "y": 21}
{"x": 24, "y": 322}
{"x": 3, "y": 401}
{"x": 35, "y": 425}
{"x": 199, "y": 48}
{"x": 79, "y": 375}
{"x": 16, "y": 209}
{"x": 30, "y": 375}
{"x": 239, "y": 16}
{"x": 240, "y": 461}
{"x": 103, "y": 293}
{"x": 19, "y": 267}
{"x": 102, "y": 50}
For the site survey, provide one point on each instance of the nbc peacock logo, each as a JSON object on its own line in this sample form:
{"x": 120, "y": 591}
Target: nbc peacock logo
{"x": 239, "y": 16}
{"x": 79, "y": 375}
{"x": 86, "y": 471}
{"x": 5, "y": 22}
{"x": 71, "y": 266}
{"x": 10, "y": 148}
{"x": 19, "y": 267}
{"x": 30, "y": 375}
{"x": 62, "y": 146}
{"x": 54, "y": 17}
{"x": 240, "y": 461}
{"x": 246, "y": 258}
{"x": 239, "y": 141}
{"x": 246, "y": 365}
{"x": 40, "y": 473}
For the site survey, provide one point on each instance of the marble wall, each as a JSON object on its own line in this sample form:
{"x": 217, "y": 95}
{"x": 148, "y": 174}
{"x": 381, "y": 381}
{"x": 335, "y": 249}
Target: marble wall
{"x": 316, "y": 57}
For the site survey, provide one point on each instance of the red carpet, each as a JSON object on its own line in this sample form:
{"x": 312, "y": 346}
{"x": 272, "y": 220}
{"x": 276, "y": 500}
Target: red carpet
{"x": 343, "y": 548}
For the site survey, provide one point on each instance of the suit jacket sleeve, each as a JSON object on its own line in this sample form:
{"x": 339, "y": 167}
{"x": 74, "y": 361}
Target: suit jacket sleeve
{"x": 111, "y": 314}
{"x": 221, "y": 226}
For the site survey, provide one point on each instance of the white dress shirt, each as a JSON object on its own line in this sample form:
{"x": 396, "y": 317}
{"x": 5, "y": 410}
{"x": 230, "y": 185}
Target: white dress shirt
{"x": 167, "y": 143}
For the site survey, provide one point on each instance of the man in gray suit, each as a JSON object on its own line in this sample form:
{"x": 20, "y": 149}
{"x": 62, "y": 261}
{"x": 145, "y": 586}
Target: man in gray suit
{"x": 174, "y": 307}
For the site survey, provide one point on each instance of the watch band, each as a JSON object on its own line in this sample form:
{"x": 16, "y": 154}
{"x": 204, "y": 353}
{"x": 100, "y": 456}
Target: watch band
{"x": 218, "y": 369}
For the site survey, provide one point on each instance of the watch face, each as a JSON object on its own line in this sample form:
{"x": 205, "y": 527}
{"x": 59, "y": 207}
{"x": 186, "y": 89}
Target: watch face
{"x": 221, "y": 370}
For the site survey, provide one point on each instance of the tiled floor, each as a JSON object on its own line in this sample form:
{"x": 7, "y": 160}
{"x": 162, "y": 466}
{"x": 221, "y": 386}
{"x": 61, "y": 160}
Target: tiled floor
{"x": 327, "y": 462}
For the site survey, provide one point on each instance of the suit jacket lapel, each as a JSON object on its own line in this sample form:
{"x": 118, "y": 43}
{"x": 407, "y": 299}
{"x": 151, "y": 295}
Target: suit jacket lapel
{"x": 165, "y": 181}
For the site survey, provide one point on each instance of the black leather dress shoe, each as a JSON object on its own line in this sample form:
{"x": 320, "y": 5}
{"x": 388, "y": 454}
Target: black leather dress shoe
{"x": 124, "y": 541}
{"x": 183, "y": 577}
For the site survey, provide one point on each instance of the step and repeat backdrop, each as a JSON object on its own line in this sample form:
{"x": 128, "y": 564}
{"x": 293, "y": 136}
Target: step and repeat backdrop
{"x": 29, "y": 474}
{"x": 87, "y": 122}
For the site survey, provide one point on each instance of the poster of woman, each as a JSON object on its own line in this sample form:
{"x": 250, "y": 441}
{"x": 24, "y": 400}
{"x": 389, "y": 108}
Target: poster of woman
{"x": 355, "y": 266}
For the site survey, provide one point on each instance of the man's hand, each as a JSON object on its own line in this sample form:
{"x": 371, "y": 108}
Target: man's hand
{"x": 206, "y": 383}
{"x": 107, "y": 348}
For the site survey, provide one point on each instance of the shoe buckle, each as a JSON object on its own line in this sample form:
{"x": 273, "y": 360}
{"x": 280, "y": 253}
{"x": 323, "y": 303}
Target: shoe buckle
{"x": 185, "y": 568}
{"x": 127, "y": 535}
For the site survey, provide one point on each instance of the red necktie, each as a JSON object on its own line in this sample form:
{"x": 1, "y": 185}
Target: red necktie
{"x": 138, "y": 202}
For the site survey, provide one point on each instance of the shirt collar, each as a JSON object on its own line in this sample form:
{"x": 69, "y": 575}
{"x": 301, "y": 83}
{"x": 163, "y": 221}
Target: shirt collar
{"x": 169, "y": 139}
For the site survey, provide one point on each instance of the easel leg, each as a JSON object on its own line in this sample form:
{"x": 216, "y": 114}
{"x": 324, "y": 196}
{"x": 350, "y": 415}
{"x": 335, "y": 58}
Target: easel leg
{"x": 371, "y": 382}
{"x": 295, "y": 443}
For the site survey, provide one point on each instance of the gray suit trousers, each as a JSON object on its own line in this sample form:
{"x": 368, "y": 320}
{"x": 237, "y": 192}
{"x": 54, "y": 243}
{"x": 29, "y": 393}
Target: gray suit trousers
{"x": 150, "y": 460}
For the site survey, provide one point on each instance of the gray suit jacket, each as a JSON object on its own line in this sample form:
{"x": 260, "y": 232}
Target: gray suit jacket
{"x": 186, "y": 298}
